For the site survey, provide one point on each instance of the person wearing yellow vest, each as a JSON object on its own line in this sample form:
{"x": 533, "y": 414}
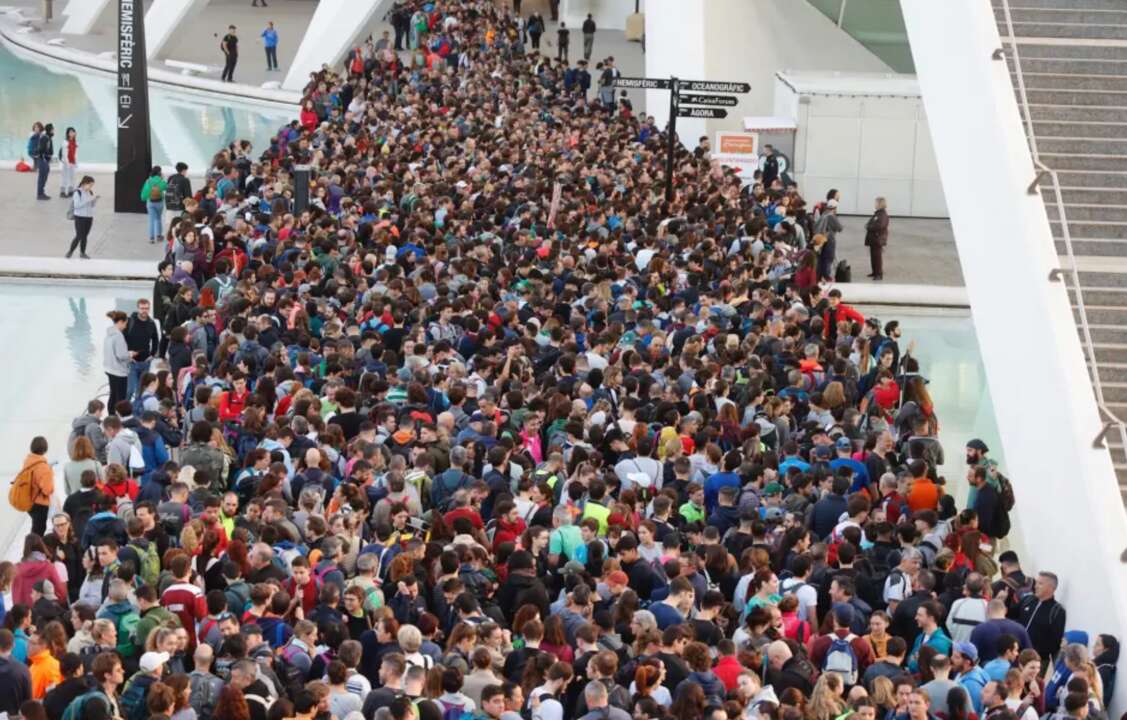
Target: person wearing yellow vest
{"x": 594, "y": 507}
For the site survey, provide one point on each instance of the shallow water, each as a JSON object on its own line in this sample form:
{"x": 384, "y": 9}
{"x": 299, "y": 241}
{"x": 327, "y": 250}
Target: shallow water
{"x": 52, "y": 366}
{"x": 184, "y": 128}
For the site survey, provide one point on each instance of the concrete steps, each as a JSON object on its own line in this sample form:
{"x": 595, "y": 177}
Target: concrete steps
{"x": 1073, "y": 81}
{"x": 1054, "y": 4}
{"x": 1074, "y": 71}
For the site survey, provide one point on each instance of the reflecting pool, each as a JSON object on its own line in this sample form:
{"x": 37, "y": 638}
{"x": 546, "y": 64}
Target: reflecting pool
{"x": 52, "y": 369}
{"x": 185, "y": 128}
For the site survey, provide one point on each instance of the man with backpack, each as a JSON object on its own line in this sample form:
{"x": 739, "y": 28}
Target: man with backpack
{"x": 296, "y": 657}
{"x": 841, "y": 652}
{"x": 41, "y": 147}
{"x": 133, "y": 702}
{"x": 204, "y": 686}
{"x": 141, "y": 552}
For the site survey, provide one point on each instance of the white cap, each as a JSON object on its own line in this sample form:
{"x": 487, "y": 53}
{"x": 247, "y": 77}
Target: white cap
{"x": 150, "y": 661}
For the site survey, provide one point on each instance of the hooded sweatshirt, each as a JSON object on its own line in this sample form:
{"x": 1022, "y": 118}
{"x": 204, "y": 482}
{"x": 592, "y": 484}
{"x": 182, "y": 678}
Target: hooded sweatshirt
{"x": 115, "y": 357}
{"x": 87, "y": 425}
{"x": 1061, "y": 674}
{"x": 1105, "y": 663}
{"x": 31, "y": 571}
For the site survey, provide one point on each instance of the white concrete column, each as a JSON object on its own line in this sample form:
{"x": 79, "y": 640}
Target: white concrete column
{"x": 675, "y": 46}
{"x": 334, "y": 29}
{"x": 83, "y": 15}
{"x": 1067, "y": 497}
{"x": 162, "y": 20}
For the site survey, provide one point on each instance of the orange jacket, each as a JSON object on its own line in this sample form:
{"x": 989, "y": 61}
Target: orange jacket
{"x": 42, "y": 478}
{"x": 44, "y": 673}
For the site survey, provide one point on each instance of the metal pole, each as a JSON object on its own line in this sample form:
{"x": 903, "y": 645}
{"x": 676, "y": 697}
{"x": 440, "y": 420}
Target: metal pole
{"x": 841, "y": 13}
{"x": 674, "y": 103}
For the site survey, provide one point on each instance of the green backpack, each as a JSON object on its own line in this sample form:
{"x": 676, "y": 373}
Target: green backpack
{"x": 77, "y": 708}
{"x": 126, "y": 626}
{"x": 150, "y": 563}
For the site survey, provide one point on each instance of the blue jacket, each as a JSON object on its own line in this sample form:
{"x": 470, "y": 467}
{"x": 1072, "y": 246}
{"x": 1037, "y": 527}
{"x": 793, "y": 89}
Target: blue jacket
{"x": 712, "y": 488}
{"x": 153, "y": 450}
{"x": 973, "y": 681}
{"x": 103, "y": 524}
{"x": 826, "y": 513}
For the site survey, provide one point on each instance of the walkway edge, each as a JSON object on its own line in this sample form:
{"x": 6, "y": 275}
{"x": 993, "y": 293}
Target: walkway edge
{"x": 945, "y": 296}
{"x": 93, "y": 269}
{"x": 80, "y": 60}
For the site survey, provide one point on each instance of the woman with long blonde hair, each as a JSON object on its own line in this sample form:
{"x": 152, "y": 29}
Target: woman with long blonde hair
{"x": 826, "y": 702}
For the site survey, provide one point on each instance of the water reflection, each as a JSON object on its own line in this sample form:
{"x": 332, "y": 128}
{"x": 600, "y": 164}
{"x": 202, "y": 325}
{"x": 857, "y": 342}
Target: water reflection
{"x": 188, "y": 129}
{"x": 79, "y": 341}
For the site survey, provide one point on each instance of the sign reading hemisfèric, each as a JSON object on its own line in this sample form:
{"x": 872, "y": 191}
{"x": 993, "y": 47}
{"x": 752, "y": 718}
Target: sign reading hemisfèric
{"x": 134, "y": 145}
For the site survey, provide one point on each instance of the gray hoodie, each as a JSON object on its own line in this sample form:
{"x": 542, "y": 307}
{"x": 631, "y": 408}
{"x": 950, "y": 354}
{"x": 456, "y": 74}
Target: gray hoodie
{"x": 115, "y": 356}
{"x": 118, "y": 449}
{"x": 89, "y": 426}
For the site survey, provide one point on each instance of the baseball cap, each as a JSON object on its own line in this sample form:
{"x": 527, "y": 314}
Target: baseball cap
{"x": 150, "y": 661}
{"x": 843, "y": 614}
{"x": 773, "y": 488}
{"x": 823, "y": 451}
{"x": 844, "y": 443}
{"x": 968, "y": 650}
{"x": 572, "y": 567}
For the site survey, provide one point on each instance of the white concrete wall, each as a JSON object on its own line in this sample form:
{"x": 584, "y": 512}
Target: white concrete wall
{"x": 83, "y": 15}
{"x": 334, "y": 29}
{"x": 607, "y": 14}
{"x": 1067, "y": 497}
{"x": 163, "y": 18}
{"x": 744, "y": 41}
{"x": 866, "y": 146}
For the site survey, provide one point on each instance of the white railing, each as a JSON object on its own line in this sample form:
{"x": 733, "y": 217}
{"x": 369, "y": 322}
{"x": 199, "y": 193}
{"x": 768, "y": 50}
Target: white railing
{"x": 1110, "y": 420}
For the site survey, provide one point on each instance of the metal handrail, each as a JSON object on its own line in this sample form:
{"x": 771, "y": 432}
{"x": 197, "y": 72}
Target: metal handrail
{"x": 1043, "y": 171}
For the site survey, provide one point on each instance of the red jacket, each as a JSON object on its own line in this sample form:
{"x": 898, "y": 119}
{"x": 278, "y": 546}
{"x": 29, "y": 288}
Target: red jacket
{"x": 30, "y": 572}
{"x": 728, "y": 669}
{"x": 820, "y": 645}
{"x": 507, "y": 532}
{"x": 841, "y": 312}
{"x": 187, "y": 602}
{"x": 231, "y": 405}
{"x": 310, "y": 592}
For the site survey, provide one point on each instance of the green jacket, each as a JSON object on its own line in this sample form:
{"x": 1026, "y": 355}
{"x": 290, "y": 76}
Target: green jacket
{"x": 151, "y": 619}
{"x": 147, "y": 188}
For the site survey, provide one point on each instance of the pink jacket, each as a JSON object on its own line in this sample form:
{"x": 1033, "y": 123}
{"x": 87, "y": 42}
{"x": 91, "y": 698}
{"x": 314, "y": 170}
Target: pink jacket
{"x": 30, "y": 572}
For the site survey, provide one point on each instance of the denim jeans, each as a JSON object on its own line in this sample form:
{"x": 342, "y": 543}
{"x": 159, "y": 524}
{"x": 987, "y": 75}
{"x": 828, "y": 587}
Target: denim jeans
{"x": 272, "y": 58}
{"x": 43, "y": 166}
{"x": 133, "y": 386}
{"x": 156, "y": 210}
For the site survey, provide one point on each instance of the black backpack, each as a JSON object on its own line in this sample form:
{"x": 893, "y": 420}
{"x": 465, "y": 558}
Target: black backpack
{"x": 843, "y": 273}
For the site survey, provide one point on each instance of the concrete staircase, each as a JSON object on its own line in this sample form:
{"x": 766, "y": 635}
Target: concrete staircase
{"x": 1074, "y": 63}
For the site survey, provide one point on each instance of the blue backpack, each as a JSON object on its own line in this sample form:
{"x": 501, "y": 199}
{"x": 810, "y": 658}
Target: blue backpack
{"x": 77, "y": 708}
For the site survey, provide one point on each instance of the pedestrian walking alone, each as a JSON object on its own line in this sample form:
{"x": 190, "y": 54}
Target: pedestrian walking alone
{"x": 589, "y": 29}
{"x": 152, "y": 193}
{"x": 230, "y": 48}
{"x": 68, "y": 158}
{"x": 876, "y": 237}
{"x": 535, "y": 29}
{"x": 563, "y": 40}
{"x": 44, "y": 149}
{"x": 82, "y": 201}
{"x": 116, "y": 357}
{"x": 270, "y": 41}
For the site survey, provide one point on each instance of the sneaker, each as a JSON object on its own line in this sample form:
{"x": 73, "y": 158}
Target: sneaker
{"x": 43, "y": 197}
{"x": 84, "y": 256}
{"x": 69, "y": 253}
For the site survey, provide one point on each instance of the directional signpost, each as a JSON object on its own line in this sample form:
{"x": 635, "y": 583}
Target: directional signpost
{"x": 682, "y": 106}
{"x": 702, "y": 112}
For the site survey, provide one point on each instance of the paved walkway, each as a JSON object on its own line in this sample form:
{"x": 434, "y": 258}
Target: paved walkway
{"x": 919, "y": 252}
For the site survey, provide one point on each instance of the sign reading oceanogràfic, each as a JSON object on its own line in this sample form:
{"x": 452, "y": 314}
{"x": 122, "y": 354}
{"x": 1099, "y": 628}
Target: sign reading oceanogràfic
{"x": 712, "y": 100}
{"x": 637, "y": 83}
{"x": 702, "y": 112}
{"x": 715, "y": 87}
{"x": 134, "y": 143}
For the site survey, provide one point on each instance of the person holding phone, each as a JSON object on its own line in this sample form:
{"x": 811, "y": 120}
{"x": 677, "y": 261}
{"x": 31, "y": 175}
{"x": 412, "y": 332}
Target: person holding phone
{"x": 82, "y": 208}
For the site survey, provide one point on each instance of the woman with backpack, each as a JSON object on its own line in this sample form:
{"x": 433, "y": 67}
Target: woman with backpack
{"x": 152, "y": 194}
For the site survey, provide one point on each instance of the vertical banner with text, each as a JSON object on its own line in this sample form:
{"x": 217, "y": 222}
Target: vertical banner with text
{"x": 134, "y": 144}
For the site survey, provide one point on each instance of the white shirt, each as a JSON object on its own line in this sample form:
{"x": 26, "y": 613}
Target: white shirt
{"x": 806, "y": 594}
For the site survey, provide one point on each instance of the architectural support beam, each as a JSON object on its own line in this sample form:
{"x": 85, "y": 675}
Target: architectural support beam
{"x": 162, "y": 20}
{"x": 335, "y": 28}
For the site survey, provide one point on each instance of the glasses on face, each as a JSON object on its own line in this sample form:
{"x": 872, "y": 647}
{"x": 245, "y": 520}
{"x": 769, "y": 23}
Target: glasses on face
{"x": 60, "y": 523}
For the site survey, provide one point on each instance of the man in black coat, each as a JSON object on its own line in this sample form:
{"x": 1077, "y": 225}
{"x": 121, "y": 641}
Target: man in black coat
{"x": 988, "y": 505}
{"x": 73, "y": 685}
{"x": 522, "y": 586}
{"x": 785, "y": 670}
{"x": 1042, "y": 616}
{"x": 15, "y": 678}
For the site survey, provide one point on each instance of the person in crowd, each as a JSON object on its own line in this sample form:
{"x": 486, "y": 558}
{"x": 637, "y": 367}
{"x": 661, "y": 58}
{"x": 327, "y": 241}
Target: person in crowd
{"x": 490, "y": 429}
{"x": 876, "y": 237}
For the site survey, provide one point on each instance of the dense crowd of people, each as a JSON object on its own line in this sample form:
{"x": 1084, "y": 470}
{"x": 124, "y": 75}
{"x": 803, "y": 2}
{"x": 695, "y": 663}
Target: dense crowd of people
{"x": 492, "y": 431}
